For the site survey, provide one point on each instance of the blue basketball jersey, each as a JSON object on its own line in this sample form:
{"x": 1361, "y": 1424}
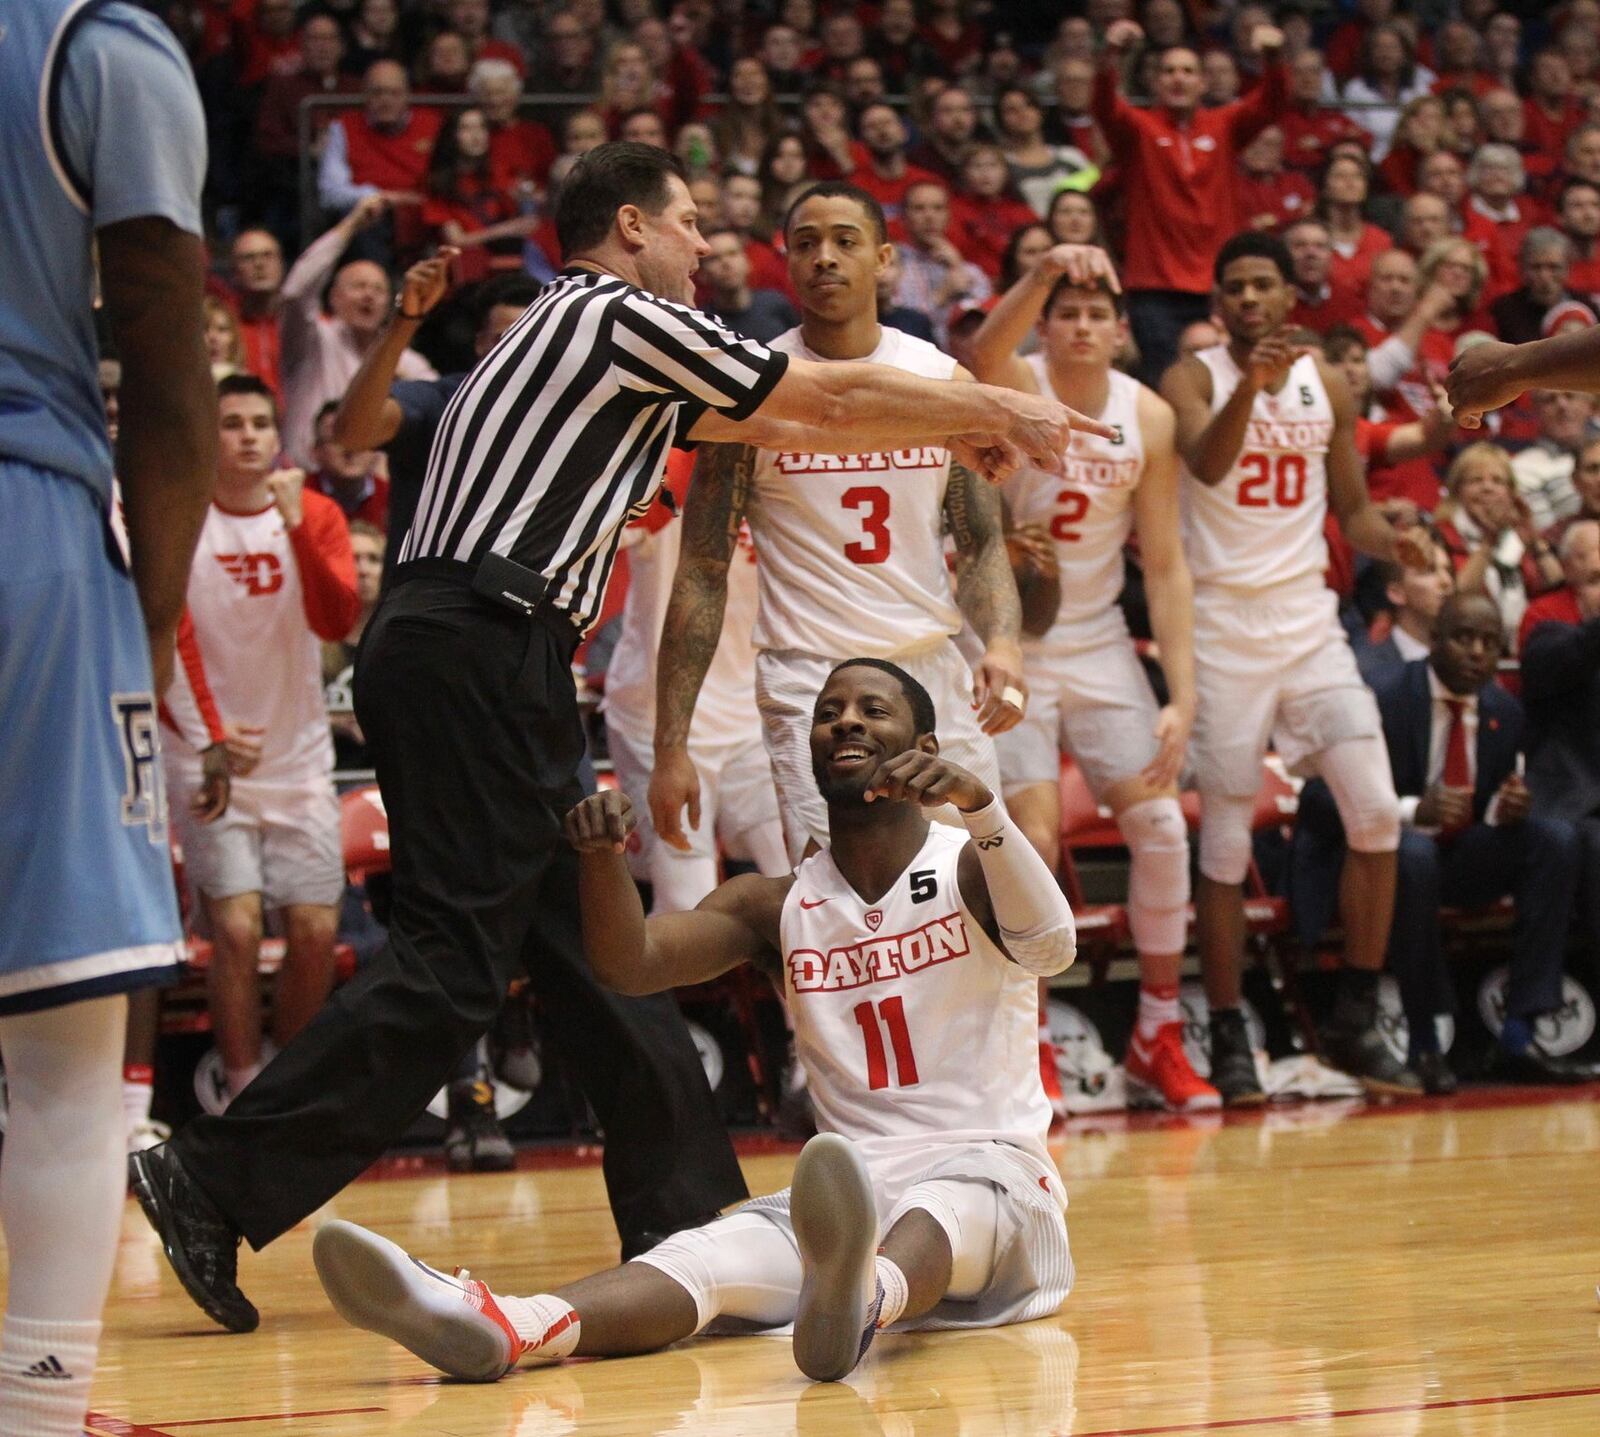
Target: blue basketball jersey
{"x": 99, "y": 122}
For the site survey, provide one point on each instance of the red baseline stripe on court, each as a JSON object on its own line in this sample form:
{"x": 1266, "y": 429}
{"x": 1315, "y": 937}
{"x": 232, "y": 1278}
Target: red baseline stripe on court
{"x": 100, "y": 1425}
{"x": 1234, "y": 1423}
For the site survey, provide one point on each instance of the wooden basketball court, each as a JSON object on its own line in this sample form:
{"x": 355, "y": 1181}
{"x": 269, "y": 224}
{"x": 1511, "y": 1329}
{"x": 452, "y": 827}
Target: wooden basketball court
{"x": 1323, "y": 1269}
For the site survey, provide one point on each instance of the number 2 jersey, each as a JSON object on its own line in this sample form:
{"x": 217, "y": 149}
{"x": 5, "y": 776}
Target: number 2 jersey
{"x": 914, "y": 1029}
{"x": 851, "y": 546}
{"x": 1088, "y": 511}
{"x": 1261, "y": 526}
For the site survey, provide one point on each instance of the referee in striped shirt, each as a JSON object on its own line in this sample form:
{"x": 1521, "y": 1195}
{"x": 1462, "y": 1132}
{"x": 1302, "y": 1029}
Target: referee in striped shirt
{"x": 464, "y": 686}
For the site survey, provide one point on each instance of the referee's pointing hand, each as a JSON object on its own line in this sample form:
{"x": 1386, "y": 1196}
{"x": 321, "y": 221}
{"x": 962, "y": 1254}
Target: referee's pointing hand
{"x": 603, "y": 820}
{"x": 1042, "y": 428}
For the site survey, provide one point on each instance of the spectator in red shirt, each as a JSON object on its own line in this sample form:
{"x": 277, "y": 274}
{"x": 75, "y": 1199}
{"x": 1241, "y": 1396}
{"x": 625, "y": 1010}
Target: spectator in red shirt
{"x": 1505, "y": 122}
{"x": 984, "y": 214}
{"x": 463, "y": 203}
{"x": 381, "y": 149}
{"x": 1443, "y": 175}
{"x": 257, "y": 262}
{"x": 887, "y": 175}
{"x": 1420, "y": 133}
{"x": 1318, "y": 304}
{"x": 1346, "y": 184}
{"x": 1268, "y": 195}
{"x": 825, "y": 128}
{"x": 1459, "y": 51}
{"x": 1498, "y": 213}
{"x": 950, "y": 134}
{"x": 356, "y": 480}
{"x": 1177, "y": 165}
{"x": 470, "y": 20}
{"x": 958, "y": 42}
{"x": 1578, "y": 213}
{"x": 521, "y": 151}
{"x": 1552, "y": 111}
{"x": 740, "y": 209}
{"x": 1310, "y": 128}
{"x": 1424, "y": 221}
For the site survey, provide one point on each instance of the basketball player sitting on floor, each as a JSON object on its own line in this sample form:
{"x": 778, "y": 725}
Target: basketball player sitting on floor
{"x": 909, "y": 954}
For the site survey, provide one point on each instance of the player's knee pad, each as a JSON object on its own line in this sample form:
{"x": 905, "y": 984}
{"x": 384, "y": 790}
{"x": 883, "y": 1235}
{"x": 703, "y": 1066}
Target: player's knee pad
{"x": 968, "y": 1209}
{"x": 1225, "y": 837}
{"x": 742, "y": 1266}
{"x": 1357, "y": 771}
{"x": 1158, "y": 883}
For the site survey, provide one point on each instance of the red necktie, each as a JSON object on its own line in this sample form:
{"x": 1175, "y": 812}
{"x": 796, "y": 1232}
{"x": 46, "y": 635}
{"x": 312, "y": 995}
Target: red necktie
{"x": 1457, "y": 773}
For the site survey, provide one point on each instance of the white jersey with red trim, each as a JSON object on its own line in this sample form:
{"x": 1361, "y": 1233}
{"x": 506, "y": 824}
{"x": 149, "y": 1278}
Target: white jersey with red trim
{"x": 1261, "y": 526}
{"x": 261, "y": 658}
{"x": 725, "y": 711}
{"x": 914, "y": 1029}
{"x": 852, "y": 545}
{"x": 1088, "y": 510}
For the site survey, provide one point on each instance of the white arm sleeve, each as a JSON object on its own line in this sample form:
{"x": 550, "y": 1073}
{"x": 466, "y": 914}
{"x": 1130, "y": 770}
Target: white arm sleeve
{"x": 1032, "y": 912}
{"x": 1389, "y": 362}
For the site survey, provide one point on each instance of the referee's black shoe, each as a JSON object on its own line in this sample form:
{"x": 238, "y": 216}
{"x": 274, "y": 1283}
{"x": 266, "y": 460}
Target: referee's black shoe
{"x": 200, "y": 1243}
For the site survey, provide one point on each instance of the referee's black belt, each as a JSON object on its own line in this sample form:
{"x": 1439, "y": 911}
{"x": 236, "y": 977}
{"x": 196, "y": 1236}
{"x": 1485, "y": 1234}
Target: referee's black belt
{"x": 501, "y": 582}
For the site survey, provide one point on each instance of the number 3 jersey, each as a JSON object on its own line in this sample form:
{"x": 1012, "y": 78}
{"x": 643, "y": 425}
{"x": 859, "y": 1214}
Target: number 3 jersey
{"x": 1262, "y": 525}
{"x": 851, "y": 546}
{"x": 1088, "y": 511}
{"x": 913, "y": 1028}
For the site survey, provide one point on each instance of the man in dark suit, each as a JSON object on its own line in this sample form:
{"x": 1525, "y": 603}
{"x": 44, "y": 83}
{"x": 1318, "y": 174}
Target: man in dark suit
{"x": 1469, "y": 835}
{"x": 1561, "y": 687}
{"x": 1413, "y": 597}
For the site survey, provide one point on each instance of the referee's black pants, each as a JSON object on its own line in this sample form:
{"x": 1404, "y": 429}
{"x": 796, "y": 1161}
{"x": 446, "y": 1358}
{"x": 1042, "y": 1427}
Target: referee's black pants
{"x": 472, "y": 721}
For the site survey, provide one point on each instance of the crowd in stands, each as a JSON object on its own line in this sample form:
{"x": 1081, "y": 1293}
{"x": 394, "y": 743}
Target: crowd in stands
{"x": 1434, "y": 170}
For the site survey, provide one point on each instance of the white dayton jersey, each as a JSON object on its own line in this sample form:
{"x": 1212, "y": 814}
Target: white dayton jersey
{"x": 1261, "y": 526}
{"x": 915, "y": 1031}
{"x": 261, "y": 658}
{"x": 852, "y": 545}
{"x": 1088, "y": 509}
{"x": 725, "y": 712}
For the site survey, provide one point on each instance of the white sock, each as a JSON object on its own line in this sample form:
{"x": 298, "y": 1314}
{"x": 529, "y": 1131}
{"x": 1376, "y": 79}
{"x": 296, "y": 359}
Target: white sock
{"x": 1158, "y": 1006}
{"x": 136, "y": 1098}
{"x": 45, "y": 1372}
{"x": 548, "y": 1325}
{"x": 895, "y": 1291}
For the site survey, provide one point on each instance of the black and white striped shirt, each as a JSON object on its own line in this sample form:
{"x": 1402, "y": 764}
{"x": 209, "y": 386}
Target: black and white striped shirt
{"x": 561, "y": 433}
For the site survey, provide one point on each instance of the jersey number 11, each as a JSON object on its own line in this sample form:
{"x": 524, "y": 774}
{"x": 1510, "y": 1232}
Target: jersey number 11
{"x": 892, "y": 1011}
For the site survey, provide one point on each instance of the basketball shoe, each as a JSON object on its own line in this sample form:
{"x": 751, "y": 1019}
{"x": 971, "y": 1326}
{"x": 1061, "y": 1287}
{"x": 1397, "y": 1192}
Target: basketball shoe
{"x": 1233, "y": 1061}
{"x": 475, "y": 1142}
{"x": 835, "y": 1218}
{"x": 452, "y": 1323}
{"x": 1159, "y": 1075}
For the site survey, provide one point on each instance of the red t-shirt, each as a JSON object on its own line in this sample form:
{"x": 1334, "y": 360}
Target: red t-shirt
{"x": 1281, "y": 199}
{"x": 1340, "y": 306}
{"x": 981, "y": 229}
{"x": 474, "y": 204}
{"x": 1545, "y": 134}
{"x": 262, "y": 343}
{"x": 1178, "y": 179}
{"x": 890, "y": 192}
{"x": 521, "y": 150}
{"x": 1559, "y": 606}
{"x": 397, "y": 161}
{"x": 1351, "y": 272}
{"x": 1308, "y": 135}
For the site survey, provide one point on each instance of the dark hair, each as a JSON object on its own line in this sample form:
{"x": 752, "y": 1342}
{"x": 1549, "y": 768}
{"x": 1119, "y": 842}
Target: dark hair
{"x": 518, "y": 289}
{"x": 445, "y": 163}
{"x": 923, "y": 717}
{"x": 331, "y": 407}
{"x": 1010, "y": 272}
{"x": 248, "y": 384}
{"x": 1577, "y": 182}
{"x": 1008, "y": 90}
{"x": 1254, "y": 244}
{"x": 620, "y": 172}
{"x": 1066, "y": 284}
{"x": 843, "y": 190}
{"x": 1337, "y": 342}
{"x": 638, "y": 110}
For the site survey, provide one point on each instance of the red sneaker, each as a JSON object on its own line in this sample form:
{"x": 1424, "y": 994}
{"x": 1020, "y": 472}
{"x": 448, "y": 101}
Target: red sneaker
{"x": 1159, "y": 1075}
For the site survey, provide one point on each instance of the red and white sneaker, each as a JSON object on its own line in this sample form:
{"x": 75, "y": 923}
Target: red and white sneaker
{"x": 452, "y": 1323}
{"x": 1159, "y": 1075}
{"x": 1050, "y": 1076}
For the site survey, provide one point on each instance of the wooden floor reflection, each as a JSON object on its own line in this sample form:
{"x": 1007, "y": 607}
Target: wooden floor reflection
{"x": 1429, "y": 1270}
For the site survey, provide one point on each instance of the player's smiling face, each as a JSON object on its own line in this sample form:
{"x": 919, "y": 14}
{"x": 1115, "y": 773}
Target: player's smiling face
{"x": 835, "y": 257}
{"x": 861, "y": 718}
{"x": 1081, "y": 326}
{"x": 1254, "y": 298}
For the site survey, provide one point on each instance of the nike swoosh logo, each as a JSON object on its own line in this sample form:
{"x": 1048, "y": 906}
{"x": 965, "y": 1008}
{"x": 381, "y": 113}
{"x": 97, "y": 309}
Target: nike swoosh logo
{"x": 817, "y": 904}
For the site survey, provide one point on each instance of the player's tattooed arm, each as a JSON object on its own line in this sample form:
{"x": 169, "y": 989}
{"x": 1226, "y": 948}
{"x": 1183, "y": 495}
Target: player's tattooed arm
{"x": 712, "y": 513}
{"x": 987, "y": 595}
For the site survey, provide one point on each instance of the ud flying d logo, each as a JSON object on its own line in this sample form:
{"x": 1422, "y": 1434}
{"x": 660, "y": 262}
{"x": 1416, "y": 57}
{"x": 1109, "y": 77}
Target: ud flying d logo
{"x": 257, "y": 574}
{"x": 144, "y": 796}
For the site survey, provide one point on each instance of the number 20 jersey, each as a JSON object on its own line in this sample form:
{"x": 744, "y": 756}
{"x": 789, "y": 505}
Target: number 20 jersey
{"x": 851, "y": 546}
{"x": 914, "y": 1029}
{"x": 1261, "y": 526}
